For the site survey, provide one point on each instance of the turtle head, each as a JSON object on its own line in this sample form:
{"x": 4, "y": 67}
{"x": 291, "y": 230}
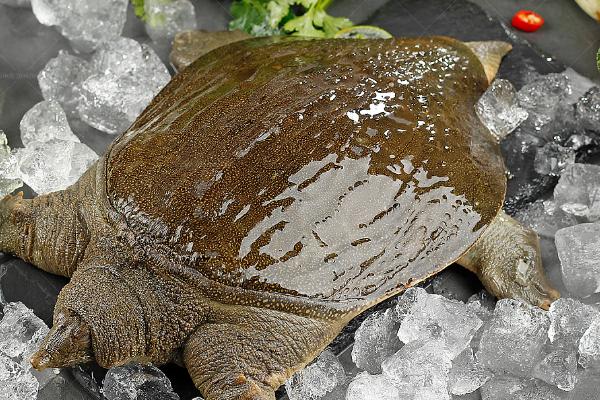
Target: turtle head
{"x": 68, "y": 343}
{"x": 97, "y": 316}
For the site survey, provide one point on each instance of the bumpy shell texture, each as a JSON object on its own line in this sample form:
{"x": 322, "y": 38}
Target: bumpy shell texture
{"x": 335, "y": 170}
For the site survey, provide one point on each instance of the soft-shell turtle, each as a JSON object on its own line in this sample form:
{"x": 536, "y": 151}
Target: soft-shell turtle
{"x": 275, "y": 189}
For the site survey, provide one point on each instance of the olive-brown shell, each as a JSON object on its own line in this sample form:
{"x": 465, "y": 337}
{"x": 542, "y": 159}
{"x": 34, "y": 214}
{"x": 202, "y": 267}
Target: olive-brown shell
{"x": 338, "y": 170}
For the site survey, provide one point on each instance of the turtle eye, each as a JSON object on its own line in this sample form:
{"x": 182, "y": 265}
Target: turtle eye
{"x": 538, "y": 286}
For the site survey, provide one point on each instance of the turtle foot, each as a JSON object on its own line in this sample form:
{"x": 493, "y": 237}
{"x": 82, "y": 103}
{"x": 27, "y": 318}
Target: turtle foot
{"x": 250, "y": 352}
{"x": 508, "y": 262}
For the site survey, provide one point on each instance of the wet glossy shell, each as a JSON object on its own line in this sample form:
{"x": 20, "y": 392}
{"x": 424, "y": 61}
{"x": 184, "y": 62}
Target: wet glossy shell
{"x": 339, "y": 170}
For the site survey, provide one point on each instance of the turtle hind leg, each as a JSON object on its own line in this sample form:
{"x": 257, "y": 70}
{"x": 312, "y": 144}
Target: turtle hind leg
{"x": 508, "y": 262}
{"x": 250, "y": 352}
{"x": 48, "y": 231}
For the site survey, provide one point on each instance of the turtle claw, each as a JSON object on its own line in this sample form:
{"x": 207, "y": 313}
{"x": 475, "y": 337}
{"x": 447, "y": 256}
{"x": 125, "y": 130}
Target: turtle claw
{"x": 551, "y": 296}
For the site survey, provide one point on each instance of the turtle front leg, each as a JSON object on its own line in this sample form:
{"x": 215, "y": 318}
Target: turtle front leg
{"x": 250, "y": 352}
{"x": 508, "y": 262}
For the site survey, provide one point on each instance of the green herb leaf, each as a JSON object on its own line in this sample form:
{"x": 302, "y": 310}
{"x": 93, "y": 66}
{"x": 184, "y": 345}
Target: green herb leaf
{"x": 251, "y": 16}
{"x": 264, "y": 17}
{"x": 138, "y": 8}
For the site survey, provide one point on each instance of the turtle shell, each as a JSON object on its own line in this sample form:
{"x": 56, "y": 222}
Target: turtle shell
{"x": 336, "y": 170}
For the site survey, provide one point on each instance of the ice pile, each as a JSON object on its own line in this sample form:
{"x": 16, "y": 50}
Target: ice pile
{"x": 110, "y": 90}
{"x": 569, "y": 230}
{"x": 450, "y": 350}
{"x": 136, "y": 382}
{"x": 21, "y": 331}
{"x": 87, "y": 24}
{"x": 164, "y": 19}
{"x": 563, "y": 123}
{"x": 53, "y": 157}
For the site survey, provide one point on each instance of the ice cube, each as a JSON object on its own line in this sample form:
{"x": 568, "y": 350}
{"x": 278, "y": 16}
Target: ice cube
{"x": 587, "y": 110}
{"x": 514, "y": 338}
{"x": 482, "y": 304}
{"x": 578, "y": 191}
{"x": 131, "y": 75}
{"x": 21, "y": 331}
{"x": 544, "y": 218}
{"x": 588, "y": 382}
{"x": 539, "y": 390}
{"x": 9, "y": 176}
{"x": 579, "y": 85}
{"x": 61, "y": 78}
{"x": 137, "y": 381}
{"x": 507, "y": 387}
{"x": 321, "y": 377}
{"x": 371, "y": 387}
{"x": 579, "y": 252}
{"x": 435, "y": 317}
{"x": 498, "y": 109}
{"x": 164, "y": 19}
{"x": 16, "y": 381}
{"x": 45, "y": 121}
{"x": 502, "y": 387}
{"x": 552, "y": 158}
{"x": 118, "y": 57}
{"x": 558, "y": 368}
{"x": 569, "y": 319}
{"x": 53, "y": 165}
{"x": 578, "y": 140}
{"x": 524, "y": 184}
{"x": 420, "y": 370}
{"x": 375, "y": 340}
{"x": 86, "y": 24}
{"x": 543, "y": 99}
{"x": 407, "y": 301}
{"x": 589, "y": 346}
{"x": 466, "y": 375}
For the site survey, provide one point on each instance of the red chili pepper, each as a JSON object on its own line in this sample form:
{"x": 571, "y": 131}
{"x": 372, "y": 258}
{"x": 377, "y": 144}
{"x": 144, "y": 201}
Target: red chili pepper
{"x": 528, "y": 21}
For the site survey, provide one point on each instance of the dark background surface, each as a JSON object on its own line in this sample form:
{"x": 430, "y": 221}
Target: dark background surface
{"x": 569, "y": 38}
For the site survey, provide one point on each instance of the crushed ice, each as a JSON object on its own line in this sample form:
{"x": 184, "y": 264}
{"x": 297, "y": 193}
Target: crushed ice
{"x": 426, "y": 346}
{"x": 21, "y": 331}
{"x": 515, "y": 351}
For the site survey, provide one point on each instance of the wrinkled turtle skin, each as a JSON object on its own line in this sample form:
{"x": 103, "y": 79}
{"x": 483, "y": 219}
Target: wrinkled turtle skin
{"x": 273, "y": 190}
